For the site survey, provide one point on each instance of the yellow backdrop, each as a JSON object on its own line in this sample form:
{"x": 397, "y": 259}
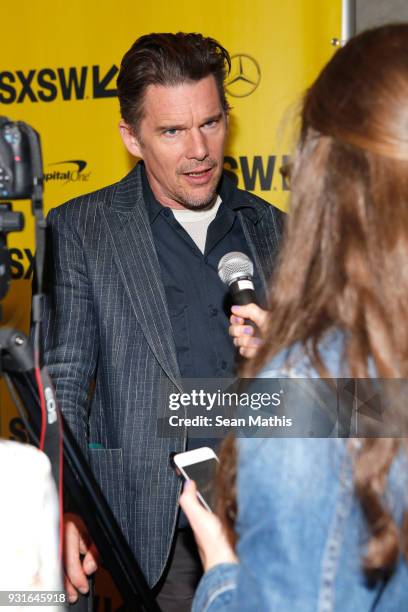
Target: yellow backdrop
{"x": 58, "y": 68}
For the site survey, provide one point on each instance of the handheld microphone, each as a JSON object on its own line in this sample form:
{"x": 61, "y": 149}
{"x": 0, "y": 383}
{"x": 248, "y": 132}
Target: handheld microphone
{"x": 236, "y": 270}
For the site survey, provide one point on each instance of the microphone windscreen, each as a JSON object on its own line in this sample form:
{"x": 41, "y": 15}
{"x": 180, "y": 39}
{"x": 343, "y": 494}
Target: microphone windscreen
{"x": 234, "y": 265}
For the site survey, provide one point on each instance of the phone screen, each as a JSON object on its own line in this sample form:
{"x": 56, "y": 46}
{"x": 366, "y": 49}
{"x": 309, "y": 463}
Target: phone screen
{"x": 203, "y": 473}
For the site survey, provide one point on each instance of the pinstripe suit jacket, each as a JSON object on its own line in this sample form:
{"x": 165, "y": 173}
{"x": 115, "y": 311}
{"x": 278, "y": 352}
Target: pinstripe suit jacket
{"x": 106, "y": 319}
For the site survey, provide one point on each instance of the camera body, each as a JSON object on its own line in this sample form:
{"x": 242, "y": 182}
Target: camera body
{"x": 20, "y": 170}
{"x": 21, "y": 178}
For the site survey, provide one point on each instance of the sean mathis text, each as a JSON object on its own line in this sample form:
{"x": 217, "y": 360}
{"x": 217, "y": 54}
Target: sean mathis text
{"x": 219, "y": 421}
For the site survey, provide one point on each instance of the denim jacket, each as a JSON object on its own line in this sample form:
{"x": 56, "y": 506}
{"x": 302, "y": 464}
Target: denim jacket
{"x": 300, "y": 527}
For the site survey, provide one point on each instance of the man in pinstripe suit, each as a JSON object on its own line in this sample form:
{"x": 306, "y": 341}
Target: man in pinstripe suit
{"x": 126, "y": 310}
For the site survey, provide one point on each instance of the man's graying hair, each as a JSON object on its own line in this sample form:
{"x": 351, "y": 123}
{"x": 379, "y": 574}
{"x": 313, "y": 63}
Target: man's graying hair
{"x": 168, "y": 59}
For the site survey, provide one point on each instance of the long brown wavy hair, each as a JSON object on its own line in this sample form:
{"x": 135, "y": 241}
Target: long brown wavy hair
{"x": 344, "y": 258}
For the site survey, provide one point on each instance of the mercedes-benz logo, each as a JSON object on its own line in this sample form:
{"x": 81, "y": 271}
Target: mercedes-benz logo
{"x": 244, "y": 77}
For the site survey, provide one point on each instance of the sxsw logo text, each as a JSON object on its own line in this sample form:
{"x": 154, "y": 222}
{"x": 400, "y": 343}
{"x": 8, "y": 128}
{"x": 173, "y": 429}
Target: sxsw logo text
{"x": 257, "y": 172}
{"x": 21, "y": 263}
{"x": 49, "y": 84}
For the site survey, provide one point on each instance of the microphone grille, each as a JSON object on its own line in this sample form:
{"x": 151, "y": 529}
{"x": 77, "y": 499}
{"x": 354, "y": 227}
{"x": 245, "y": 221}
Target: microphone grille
{"x": 234, "y": 265}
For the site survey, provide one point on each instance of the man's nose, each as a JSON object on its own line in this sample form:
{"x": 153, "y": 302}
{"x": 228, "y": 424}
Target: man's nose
{"x": 197, "y": 145}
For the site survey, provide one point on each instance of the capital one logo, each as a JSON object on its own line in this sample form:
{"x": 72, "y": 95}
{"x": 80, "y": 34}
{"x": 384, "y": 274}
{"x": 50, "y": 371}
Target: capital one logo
{"x": 244, "y": 77}
{"x": 68, "y": 171}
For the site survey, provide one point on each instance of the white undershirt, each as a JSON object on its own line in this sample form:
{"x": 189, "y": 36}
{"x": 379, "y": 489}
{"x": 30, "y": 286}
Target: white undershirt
{"x": 196, "y": 222}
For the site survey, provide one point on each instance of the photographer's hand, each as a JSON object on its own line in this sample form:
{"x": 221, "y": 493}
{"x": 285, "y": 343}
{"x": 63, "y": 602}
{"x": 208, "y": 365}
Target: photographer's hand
{"x": 76, "y": 543}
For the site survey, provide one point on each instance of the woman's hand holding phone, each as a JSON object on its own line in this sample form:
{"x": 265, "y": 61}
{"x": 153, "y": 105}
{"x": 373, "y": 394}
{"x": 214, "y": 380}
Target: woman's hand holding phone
{"x": 212, "y": 542}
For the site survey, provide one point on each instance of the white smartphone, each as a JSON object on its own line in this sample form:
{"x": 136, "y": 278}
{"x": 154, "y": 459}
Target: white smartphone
{"x": 199, "y": 465}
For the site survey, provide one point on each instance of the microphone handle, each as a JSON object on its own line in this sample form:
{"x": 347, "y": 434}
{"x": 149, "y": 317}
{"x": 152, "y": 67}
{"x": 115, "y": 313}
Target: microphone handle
{"x": 243, "y": 293}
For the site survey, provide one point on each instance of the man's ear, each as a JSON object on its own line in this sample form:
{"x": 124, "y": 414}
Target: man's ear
{"x": 131, "y": 142}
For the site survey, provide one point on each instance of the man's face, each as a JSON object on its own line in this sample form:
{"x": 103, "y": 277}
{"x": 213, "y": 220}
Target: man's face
{"x": 181, "y": 140}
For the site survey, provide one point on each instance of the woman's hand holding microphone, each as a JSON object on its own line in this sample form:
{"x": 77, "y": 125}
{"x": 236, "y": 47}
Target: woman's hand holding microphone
{"x": 245, "y": 335}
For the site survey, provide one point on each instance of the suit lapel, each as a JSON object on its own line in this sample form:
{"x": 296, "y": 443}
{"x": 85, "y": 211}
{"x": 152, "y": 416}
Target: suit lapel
{"x": 135, "y": 256}
{"x": 263, "y": 244}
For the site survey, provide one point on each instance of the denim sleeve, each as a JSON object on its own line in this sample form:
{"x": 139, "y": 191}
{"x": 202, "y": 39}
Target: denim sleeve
{"x": 280, "y": 552}
{"x": 216, "y": 589}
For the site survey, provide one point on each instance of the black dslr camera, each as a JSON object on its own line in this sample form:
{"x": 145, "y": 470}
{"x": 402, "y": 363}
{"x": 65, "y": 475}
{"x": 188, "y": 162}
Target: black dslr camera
{"x": 21, "y": 178}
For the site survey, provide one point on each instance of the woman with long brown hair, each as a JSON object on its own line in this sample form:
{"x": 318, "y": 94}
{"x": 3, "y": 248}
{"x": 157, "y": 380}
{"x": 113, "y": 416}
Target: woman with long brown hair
{"x": 321, "y": 523}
